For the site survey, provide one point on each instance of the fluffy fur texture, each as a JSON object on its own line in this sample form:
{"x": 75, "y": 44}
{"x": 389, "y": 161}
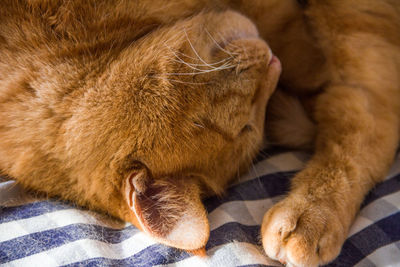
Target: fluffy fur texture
{"x": 139, "y": 108}
{"x": 96, "y": 95}
{"x": 342, "y": 61}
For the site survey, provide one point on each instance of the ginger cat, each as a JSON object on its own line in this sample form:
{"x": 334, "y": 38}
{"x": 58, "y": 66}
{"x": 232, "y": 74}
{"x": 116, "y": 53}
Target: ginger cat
{"x": 132, "y": 109}
{"x": 140, "y": 108}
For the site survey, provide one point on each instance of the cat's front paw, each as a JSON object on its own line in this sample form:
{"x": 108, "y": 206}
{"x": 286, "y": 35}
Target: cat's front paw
{"x": 298, "y": 232}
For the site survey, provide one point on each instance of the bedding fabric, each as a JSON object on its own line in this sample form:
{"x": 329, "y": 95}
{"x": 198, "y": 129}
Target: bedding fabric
{"x": 38, "y": 232}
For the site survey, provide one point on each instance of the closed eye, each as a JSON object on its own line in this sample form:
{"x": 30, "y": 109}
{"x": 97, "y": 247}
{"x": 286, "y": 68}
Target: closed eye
{"x": 246, "y": 128}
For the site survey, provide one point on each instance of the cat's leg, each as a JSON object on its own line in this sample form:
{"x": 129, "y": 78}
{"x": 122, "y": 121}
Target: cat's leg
{"x": 357, "y": 118}
{"x": 356, "y": 141}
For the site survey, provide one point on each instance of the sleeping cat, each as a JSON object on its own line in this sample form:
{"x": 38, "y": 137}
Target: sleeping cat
{"x": 132, "y": 109}
{"x": 140, "y": 108}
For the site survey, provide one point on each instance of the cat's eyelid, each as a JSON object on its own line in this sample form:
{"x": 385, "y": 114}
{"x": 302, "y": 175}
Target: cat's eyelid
{"x": 246, "y": 128}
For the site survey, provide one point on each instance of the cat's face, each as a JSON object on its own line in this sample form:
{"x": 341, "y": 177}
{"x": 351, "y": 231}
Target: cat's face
{"x": 199, "y": 95}
{"x": 182, "y": 109}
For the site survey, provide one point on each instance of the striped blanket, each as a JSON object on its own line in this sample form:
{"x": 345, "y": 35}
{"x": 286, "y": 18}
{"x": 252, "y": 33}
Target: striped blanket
{"x": 37, "y": 232}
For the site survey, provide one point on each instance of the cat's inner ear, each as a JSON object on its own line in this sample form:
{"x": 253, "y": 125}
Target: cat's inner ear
{"x": 168, "y": 209}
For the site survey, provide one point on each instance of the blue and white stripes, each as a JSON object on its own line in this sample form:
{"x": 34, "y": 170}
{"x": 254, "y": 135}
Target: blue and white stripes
{"x": 37, "y": 232}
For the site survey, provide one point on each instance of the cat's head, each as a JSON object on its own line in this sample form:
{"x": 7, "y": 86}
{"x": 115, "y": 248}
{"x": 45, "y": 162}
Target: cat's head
{"x": 182, "y": 109}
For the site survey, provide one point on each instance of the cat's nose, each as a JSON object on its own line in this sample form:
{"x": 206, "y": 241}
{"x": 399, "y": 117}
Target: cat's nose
{"x": 269, "y": 80}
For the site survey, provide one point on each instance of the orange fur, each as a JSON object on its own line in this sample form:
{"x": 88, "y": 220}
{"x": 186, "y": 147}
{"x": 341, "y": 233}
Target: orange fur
{"x": 92, "y": 98}
{"x": 341, "y": 60}
{"x": 93, "y": 91}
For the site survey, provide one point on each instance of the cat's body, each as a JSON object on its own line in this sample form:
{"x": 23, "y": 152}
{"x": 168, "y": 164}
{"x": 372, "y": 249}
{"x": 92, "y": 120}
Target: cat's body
{"x": 99, "y": 105}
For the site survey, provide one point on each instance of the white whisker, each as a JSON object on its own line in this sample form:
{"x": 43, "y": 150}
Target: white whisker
{"x": 199, "y": 125}
{"x": 218, "y": 45}
{"x": 194, "y": 50}
{"x": 203, "y": 65}
{"x": 200, "y": 72}
{"x": 178, "y": 81}
{"x": 194, "y": 66}
{"x": 185, "y": 55}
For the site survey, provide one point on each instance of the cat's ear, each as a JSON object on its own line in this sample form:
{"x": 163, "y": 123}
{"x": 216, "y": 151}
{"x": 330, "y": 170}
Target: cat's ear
{"x": 168, "y": 209}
